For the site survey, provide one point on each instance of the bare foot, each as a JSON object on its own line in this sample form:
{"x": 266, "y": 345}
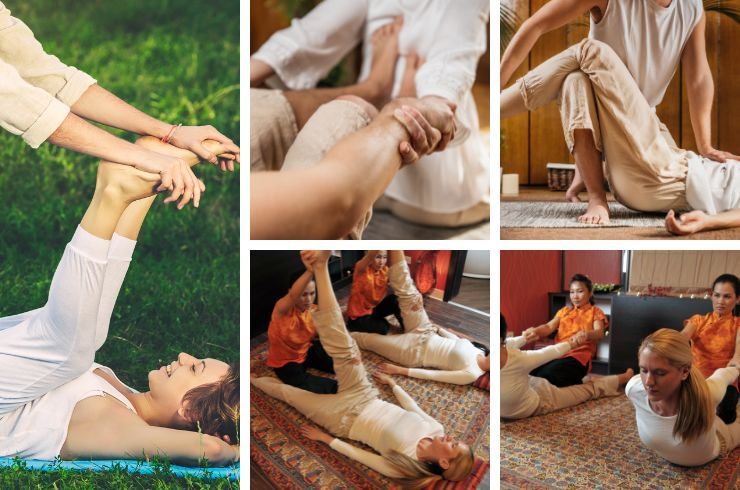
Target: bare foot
{"x": 596, "y": 214}
{"x": 408, "y": 82}
{"x": 625, "y": 376}
{"x": 385, "y": 54}
{"x": 576, "y": 187}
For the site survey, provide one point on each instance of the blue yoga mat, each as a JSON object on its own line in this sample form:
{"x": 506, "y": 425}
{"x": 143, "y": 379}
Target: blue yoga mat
{"x": 132, "y": 466}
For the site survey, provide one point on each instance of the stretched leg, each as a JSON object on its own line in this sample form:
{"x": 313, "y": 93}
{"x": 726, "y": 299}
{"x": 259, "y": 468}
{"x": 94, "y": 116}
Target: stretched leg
{"x": 405, "y": 349}
{"x": 408, "y": 82}
{"x": 410, "y": 301}
{"x": 553, "y": 398}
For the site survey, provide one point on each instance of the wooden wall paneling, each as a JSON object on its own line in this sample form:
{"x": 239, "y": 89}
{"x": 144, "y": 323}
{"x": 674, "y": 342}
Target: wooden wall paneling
{"x": 728, "y": 86}
{"x": 688, "y": 141}
{"x": 515, "y": 131}
{"x": 546, "y": 133}
{"x": 263, "y": 22}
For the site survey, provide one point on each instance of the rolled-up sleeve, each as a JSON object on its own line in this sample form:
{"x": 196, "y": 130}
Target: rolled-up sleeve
{"x": 449, "y": 70}
{"x": 305, "y": 52}
{"x": 36, "y": 89}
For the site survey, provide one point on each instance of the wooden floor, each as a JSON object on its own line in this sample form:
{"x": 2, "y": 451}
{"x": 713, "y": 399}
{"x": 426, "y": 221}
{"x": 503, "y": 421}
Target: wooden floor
{"x": 477, "y": 326}
{"x": 474, "y": 293}
{"x": 544, "y": 194}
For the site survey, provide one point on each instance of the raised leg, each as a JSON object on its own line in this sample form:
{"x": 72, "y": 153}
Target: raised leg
{"x": 410, "y": 301}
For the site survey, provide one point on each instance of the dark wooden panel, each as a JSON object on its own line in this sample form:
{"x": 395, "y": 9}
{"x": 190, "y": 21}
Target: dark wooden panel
{"x": 728, "y": 87}
{"x": 634, "y": 318}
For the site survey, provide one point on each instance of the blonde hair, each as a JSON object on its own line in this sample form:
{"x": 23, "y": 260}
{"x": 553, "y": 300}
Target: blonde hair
{"x": 695, "y": 412}
{"x": 421, "y": 474}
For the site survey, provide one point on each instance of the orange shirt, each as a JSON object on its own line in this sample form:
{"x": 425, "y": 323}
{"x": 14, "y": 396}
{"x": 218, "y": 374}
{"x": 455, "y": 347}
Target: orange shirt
{"x": 289, "y": 336}
{"x": 368, "y": 289}
{"x": 713, "y": 342}
{"x": 574, "y": 320}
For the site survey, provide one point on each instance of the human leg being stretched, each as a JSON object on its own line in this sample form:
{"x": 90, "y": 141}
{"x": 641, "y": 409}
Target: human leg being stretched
{"x": 645, "y": 170}
{"x": 407, "y": 348}
{"x": 278, "y": 116}
{"x": 353, "y": 387}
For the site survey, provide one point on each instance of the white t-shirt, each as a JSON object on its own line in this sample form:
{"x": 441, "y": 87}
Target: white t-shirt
{"x": 387, "y": 427}
{"x": 656, "y": 431}
{"x": 649, "y": 39}
{"x": 450, "y": 35}
{"x": 518, "y": 399}
{"x": 712, "y": 187}
{"x": 38, "y": 429}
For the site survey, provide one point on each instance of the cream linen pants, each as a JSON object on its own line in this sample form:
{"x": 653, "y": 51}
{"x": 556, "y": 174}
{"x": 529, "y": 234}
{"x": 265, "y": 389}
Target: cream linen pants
{"x": 553, "y": 398}
{"x": 645, "y": 169}
{"x": 407, "y": 348}
{"x": 336, "y": 413}
{"x": 276, "y": 143}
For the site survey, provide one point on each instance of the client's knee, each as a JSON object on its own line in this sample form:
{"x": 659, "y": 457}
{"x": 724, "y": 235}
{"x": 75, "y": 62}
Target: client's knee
{"x": 593, "y": 49}
{"x": 366, "y": 106}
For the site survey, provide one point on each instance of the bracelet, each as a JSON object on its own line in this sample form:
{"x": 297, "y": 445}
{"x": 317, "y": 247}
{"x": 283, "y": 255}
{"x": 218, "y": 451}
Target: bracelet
{"x": 166, "y": 139}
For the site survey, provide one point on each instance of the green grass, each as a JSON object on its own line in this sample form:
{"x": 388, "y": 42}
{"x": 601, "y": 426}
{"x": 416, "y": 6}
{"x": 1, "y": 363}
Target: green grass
{"x": 178, "y": 61}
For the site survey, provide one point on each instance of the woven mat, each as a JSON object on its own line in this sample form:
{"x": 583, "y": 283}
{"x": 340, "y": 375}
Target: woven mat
{"x": 291, "y": 461}
{"x": 540, "y": 214}
{"x": 596, "y": 446}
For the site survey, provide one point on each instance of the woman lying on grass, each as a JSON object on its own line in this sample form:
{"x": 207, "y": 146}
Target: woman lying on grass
{"x": 55, "y": 401}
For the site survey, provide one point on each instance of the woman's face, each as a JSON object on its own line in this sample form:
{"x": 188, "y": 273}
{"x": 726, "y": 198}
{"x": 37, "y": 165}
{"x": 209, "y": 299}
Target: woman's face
{"x": 308, "y": 296}
{"x": 724, "y": 298}
{"x": 443, "y": 449}
{"x": 169, "y": 383}
{"x": 579, "y": 294}
{"x": 381, "y": 258}
{"x": 660, "y": 378}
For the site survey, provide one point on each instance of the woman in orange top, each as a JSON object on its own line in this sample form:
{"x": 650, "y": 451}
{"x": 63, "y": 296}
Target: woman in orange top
{"x": 715, "y": 339}
{"x": 583, "y": 319}
{"x": 369, "y": 301}
{"x": 293, "y": 342}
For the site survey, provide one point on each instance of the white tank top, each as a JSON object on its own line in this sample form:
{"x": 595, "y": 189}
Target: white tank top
{"x": 38, "y": 429}
{"x": 649, "y": 39}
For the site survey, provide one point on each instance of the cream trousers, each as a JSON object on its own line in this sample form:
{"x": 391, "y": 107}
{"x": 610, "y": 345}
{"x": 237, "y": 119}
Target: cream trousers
{"x": 645, "y": 169}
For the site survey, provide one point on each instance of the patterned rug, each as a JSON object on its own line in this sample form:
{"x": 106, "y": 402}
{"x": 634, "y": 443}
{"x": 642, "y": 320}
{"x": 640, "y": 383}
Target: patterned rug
{"x": 540, "y": 214}
{"x": 291, "y": 461}
{"x": 595, "y": 446}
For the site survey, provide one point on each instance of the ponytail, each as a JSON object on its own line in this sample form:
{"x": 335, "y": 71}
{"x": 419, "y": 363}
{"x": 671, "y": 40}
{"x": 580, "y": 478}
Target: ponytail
{"x": 694, "y": 408}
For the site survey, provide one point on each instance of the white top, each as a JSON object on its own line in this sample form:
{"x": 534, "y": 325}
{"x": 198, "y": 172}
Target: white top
{"x": 450, "y": 35}
{"x": 649, "y": 39}
{"x": 711, "y": 186}
{"x": 518, "y": 400}
{"x": 36, "y": 89}
{"x": 656, "y": 432}
{"x": 387, "y": 427}
{"x": 38, "y": 429}
{"x": 455, "y": 360}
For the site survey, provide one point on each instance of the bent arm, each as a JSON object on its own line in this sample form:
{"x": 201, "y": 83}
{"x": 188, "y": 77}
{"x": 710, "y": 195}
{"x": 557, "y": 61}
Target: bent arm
{"x": 689, "y": 329}
{"x": 735, "y": 361}
{"x": 551, "y": 16}
{"x": 304, "y": 53}
{"x": 371, "y": 460}
{"x": 409, "y": 404}
{"x": 363, "y": 263}
{"x": 288, "y": 301}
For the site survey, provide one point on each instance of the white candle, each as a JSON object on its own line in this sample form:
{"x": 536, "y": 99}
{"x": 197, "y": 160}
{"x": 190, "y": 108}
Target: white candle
{"x": 510, "y": 185}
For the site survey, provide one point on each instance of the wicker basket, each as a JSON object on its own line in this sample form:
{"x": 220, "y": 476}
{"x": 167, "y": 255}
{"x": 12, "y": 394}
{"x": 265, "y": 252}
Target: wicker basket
{"x": 560, "y": 176}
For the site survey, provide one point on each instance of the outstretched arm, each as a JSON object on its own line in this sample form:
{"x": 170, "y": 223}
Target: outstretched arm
{"x": 700, "y": 92}
{"x": 364, "y": 262}
{"x": 552, "y": 15}
{"x": 97, "y": 104}
{"x": 695, "y": 221}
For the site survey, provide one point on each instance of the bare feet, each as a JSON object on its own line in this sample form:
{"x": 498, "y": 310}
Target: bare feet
{"x": 576, "y": 187}
{"x": 385, "y": 54}
{"x": 596, "y": 214}
{"x": 625, "y": 376}
{"x": 408, "y": 82}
